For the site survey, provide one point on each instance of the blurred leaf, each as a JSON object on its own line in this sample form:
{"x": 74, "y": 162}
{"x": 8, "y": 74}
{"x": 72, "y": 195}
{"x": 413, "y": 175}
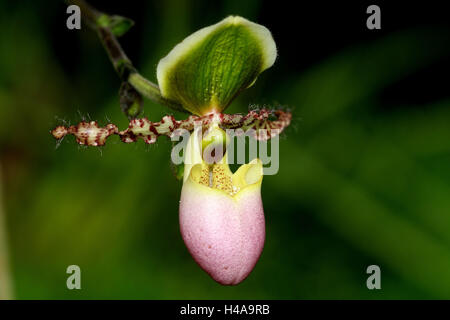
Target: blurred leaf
{"x": 339, "y": 83}
{"x": 350, "y": 210}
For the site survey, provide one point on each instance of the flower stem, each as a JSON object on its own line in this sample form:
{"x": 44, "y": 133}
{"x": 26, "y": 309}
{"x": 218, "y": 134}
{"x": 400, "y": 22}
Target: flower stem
{"x": 151, "y": 91}
{"x": 5, "y": 275}
{"x": 122, "y": 64}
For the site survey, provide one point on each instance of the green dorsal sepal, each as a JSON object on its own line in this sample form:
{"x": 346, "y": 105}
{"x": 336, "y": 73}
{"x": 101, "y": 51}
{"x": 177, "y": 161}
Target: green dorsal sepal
{"x": 208, "y": 69}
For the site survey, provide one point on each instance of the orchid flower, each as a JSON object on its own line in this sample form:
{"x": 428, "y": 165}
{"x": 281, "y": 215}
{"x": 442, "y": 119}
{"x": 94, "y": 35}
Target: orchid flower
{"x": 221, "y": 213}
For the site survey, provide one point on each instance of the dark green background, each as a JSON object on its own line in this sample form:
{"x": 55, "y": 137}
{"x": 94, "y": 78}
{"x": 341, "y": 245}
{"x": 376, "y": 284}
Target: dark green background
{"x": 365, "y": 166}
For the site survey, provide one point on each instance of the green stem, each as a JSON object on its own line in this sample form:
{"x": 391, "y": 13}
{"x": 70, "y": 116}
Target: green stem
{"x": 5, "y": 274}
{"x": 122, "y": 64}
{"x": 151, "y": 91}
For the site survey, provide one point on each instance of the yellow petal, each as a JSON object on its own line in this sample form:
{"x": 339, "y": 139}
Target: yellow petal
{"x": 248, "y": 174}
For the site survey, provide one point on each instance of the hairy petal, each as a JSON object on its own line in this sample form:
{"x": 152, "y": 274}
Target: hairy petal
{"x": 90, "y": 134}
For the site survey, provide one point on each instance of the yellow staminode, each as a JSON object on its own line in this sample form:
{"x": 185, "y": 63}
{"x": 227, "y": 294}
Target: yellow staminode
{"x": 218, "y": 176}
